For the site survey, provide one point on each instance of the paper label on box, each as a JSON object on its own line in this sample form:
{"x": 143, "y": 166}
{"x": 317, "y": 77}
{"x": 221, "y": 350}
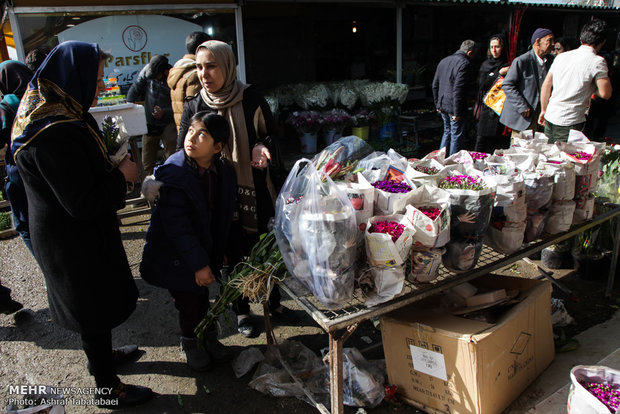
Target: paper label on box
{"x": 429, "y": 362}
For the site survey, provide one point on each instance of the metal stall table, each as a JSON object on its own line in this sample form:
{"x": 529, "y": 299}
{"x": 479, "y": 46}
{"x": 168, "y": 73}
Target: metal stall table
{"x": 340, "y": 323}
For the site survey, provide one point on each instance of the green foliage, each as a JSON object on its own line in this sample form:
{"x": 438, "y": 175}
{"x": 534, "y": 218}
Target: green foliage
{"x": 5, "y": 221}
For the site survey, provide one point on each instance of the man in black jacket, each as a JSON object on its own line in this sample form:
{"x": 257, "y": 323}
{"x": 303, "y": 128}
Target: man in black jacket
{"x": 151, "y": 87}
{"x": 449, "y": 92}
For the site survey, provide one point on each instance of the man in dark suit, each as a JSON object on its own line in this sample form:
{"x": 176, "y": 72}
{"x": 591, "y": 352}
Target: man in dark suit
{"x": 523, "y": 82}
{"x": 450, "y": 94}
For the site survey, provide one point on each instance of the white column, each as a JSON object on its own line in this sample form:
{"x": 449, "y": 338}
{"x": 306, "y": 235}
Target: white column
{"x": 399, "y": 44}
{"x": 240, "y": 44}
{"x": 17, "y": 35}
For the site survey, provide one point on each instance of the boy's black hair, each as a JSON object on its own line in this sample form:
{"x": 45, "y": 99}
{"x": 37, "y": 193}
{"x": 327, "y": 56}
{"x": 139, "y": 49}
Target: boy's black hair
{"x": 216, "y": 125}
{"x": 195, "y": 39}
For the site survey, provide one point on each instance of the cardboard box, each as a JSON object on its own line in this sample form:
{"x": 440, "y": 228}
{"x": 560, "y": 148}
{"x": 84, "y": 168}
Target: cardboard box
{"x": 448, "y": 364}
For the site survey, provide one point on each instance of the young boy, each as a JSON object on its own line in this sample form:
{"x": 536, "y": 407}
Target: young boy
{"x": 189, "y": 228}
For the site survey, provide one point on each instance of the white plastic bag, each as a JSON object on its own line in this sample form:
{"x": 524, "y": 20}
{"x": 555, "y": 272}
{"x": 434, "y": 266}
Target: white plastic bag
{"x": 580, "y": 400}
{"x": 362, "y": 197}
{"x": 316, "y": 232}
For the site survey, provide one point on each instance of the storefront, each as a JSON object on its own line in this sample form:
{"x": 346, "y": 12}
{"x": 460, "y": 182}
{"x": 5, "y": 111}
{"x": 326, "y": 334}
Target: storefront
{"x": 132, "y": 33}
{"x": 282, "y": 42}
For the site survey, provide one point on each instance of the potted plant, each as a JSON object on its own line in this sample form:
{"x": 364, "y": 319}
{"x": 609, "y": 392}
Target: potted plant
{"x": 386, "y": 98}
{"x": 590, "y": 258}
{"x": 334, "y": 121}
{"x": 307, "y": 123}
{"x": 361, "y": 123}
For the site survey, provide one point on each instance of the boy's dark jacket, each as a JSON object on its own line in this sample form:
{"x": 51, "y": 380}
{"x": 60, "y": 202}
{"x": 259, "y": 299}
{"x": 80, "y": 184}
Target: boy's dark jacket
{"x": 179, "y": 241}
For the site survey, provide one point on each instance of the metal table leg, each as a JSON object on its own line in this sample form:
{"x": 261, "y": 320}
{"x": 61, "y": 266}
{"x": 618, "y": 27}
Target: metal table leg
{"x": 614, "y": 260}
{"x": 335, "y": 368}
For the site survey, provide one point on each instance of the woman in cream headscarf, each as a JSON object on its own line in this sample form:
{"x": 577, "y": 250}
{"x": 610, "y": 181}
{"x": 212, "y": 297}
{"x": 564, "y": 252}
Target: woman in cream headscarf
{"x": 250, "y": 151}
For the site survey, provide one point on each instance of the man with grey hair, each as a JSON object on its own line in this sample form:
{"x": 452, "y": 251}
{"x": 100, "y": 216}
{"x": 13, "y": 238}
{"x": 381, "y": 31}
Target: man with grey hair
{"x": 449, "y": 93}
{"x": 523, "y": 81}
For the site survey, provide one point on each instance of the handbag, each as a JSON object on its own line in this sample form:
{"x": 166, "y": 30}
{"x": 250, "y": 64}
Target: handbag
{"x": 496, "y": 97}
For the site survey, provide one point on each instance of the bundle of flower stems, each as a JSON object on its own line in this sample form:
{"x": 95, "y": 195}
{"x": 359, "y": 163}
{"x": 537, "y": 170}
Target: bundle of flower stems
{"x": 253, "y": 278}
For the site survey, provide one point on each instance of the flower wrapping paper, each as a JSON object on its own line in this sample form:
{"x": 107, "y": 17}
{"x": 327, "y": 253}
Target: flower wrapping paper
{"x": 380, "y": 248}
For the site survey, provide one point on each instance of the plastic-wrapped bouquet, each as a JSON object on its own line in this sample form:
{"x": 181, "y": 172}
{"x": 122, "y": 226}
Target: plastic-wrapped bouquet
{"x": 115, "y": 137}
{"x": 316, "y": 228}
{"x": 306, "y": 121}
{"x": 341, "y": 158}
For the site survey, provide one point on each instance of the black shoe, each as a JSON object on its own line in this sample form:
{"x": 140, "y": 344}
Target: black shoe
{"x": 286, "y": 315}
{"x": 10, "y": 306}
{"x": 217, "y": 350}
{"x": 246, "y": 328}
{"x": 124, "y": 395}
{"x": 122, "y": 355}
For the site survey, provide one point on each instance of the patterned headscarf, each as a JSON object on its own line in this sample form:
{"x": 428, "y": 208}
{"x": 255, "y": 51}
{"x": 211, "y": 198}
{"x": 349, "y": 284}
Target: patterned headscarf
{"x": 61, "y": 91}
{"x": 228, "y": 102}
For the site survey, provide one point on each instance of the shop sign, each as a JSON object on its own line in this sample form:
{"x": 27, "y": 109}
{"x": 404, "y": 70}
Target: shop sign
{"x": 132, "y": 40}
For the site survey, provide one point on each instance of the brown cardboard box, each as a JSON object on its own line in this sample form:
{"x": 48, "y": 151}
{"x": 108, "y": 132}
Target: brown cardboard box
{"x": 448, "y": 364}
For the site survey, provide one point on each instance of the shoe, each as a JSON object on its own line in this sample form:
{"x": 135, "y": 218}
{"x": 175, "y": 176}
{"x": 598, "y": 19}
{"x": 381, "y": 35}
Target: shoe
{"x": 246, "y": 328}
{"x": 124, "y": 395}
{"x": 10, "y": 306}
{"x": 197, "y": 358}
{"x": 122, "y": 355}
{"x": 217, "y": 350}
{"x": 286, "y": 315}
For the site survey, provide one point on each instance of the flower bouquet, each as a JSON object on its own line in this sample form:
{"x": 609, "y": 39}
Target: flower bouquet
{"x": 363, "y": 118}
{"x": 335, "y": 119}
{"x": 471, "y": 202}
{"x": 306, "y": 121}
{"x": 429, "y": 212}
{"x": 388, "y": 240}
{"x": 312, "y": 97}
{"x": 385, "y": 98}
{"x": 115, "y": 137}
{"x": 428, "y": 171}
{"x": 594, "y": 389}
{"x": 388, "y": 243}
{"x": 316, "y": 231}
{"x": 392, "y": 194}
{"x": 362, "y": 197}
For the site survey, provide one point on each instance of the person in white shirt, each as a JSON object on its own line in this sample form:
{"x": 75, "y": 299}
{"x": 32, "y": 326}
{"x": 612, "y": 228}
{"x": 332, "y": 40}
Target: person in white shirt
{"x": 572, "y": 79}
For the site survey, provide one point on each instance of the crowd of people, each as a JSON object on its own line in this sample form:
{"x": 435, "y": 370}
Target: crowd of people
{"x": 554, "y": 87}
{"x": 215, "y": 193}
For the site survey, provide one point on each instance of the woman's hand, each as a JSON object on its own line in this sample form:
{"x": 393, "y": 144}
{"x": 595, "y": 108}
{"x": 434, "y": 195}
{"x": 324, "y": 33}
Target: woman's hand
{"x": 129, "y": 169}
{"x": 503, "y": 71}
{"x": 204, "y": 277}
{"x": 260, "y": 156}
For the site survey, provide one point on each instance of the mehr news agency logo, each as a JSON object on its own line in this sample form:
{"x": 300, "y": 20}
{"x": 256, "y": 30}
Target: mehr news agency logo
{"x": 34, "y": 395}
